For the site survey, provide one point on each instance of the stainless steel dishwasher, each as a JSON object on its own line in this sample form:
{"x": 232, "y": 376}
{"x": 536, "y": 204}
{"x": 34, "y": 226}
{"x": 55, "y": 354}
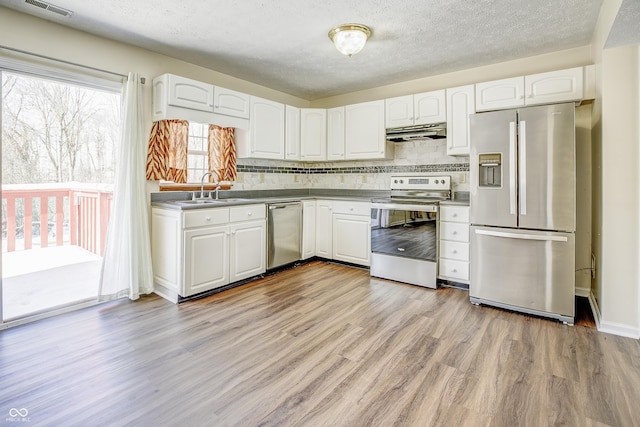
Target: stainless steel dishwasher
{"x": 284, "y": 233}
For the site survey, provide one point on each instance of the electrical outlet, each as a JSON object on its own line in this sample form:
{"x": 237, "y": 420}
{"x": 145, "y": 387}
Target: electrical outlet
{"x": 593, "y": 266}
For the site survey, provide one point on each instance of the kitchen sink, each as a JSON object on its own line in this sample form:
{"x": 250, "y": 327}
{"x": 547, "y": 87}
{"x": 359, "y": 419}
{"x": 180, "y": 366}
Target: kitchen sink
{"x": 209, "y": 201}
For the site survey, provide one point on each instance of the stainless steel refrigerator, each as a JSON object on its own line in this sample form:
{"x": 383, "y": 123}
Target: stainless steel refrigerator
{"x": 522, "y": 184}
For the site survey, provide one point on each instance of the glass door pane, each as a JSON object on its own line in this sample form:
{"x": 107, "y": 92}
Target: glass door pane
{"x": 59, "y": 144}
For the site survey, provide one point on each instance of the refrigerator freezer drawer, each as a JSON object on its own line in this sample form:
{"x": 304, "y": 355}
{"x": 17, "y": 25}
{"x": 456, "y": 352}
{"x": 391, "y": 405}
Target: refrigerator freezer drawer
{"x": 524, "y": 270}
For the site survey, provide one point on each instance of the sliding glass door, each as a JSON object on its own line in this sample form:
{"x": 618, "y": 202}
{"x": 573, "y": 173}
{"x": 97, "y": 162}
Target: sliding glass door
{"x": 59, "y": 142}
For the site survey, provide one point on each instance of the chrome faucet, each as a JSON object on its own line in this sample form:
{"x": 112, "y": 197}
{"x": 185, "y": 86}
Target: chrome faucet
{"x": 208, "y": 173}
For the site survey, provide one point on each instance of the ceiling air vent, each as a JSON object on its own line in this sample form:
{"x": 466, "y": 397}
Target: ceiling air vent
{"x": 49, "y": 7}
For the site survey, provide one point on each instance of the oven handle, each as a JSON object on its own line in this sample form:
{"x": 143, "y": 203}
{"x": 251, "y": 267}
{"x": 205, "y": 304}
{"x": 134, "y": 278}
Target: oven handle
{"x": 405, "y": 207}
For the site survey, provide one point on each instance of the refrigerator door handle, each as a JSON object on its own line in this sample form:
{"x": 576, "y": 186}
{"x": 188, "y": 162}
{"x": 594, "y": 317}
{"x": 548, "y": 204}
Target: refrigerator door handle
{"x": 512, "y": 167}
{"x": 521, "y": 236}
{"x": 522, "y": 131}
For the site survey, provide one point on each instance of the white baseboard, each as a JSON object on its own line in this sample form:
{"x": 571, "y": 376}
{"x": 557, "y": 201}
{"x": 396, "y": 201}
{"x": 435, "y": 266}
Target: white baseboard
{"x": 165, "y": 293}
{"x": 583, "y": 292}
{"x": 611, "y": 327}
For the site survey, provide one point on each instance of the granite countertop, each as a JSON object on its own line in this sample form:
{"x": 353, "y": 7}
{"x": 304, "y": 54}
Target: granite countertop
{"x": 181, "y": 200}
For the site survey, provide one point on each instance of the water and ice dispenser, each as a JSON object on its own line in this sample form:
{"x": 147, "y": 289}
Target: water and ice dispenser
{"x": 490, "y": 169}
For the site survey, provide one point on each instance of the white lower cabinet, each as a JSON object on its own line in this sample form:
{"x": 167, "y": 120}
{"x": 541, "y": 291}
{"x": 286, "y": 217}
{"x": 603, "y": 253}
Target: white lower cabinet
{"x": 453, "y": 261}
{"x": 352, "y": 232}
{"x": 308, "y": 229}
{"x": 343, "y": 231}
{"x": 324, "y": 226}
{"x": 202, "y": 249}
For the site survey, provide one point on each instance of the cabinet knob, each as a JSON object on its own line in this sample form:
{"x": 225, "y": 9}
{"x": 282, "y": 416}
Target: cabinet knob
{"x": 208, "y": 218}
{"x": 454, "y": 233}
{"x": 455, "y": 251}
{"x": 350, "y": 209}
{"x": 233, "y": 232}
{"x": 249, "y": 213}
{"x": 455, "y": 270}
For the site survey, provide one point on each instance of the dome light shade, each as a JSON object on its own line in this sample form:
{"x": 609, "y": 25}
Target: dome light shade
{"x": 349, "y": 39}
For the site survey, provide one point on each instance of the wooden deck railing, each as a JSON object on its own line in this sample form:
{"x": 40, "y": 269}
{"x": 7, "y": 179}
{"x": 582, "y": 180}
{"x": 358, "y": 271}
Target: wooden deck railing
{"x": 78, "y": 217}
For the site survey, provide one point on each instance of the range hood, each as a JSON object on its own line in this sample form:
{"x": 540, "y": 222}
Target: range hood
{"x": 418, "y": 132}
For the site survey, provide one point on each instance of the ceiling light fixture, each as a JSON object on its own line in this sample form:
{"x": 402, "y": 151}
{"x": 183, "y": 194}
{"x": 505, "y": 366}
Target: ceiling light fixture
{"x": 349, "y": 39}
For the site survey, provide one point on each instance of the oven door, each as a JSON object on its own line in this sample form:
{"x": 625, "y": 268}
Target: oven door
{"x": 407, "y": 231}
{"x": 404, "y": 242}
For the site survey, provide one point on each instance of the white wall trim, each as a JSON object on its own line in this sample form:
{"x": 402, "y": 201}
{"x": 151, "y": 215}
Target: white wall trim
{"x": 611, "y": 327}
{"x": 583, "y": 292}
{"x": 595, "y": 309}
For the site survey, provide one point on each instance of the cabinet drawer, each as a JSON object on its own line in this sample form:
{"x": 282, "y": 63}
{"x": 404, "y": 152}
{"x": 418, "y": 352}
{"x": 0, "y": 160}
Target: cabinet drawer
{"x": 454, "y": 250}
{"x": 454, "y": 269}
{"x": 245, "y": 213}
{"x": 352, "y": 208}
{"x": 454, "y": 213}
{"x": 201, "y": 217}
{"x": 456, "y": 231}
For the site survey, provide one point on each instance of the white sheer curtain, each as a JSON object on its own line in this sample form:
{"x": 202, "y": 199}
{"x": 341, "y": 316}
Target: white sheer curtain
{"x": 126, "y": 267}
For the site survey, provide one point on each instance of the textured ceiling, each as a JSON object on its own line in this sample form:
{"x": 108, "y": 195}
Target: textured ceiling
{"x": 284, "y": 45}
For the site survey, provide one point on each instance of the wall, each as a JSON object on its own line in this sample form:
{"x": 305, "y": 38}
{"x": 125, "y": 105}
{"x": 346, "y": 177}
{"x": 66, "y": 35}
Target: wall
{"x": 615, "y": 186}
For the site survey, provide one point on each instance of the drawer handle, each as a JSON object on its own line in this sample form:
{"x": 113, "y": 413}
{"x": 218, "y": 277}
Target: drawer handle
{"x": 208, "y": 218}
{"x": 250, "y": 213}
{"x": 455, "y": 251}
{"x": 455, "y": 270}
{"x": 350, "y": 209}
{"x": 454, "y": 233}
{"x": 455, "y": 215}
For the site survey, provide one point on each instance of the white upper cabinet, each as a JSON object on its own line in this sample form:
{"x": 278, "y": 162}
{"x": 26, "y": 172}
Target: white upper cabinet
{"x": 365, "y": 132}
{"x": 429, "y": 107}
{"x": 265, "y": 139}
{"x": 189, "y": 93}
{"x": 460, "y": 104}
{"x": 231, "y": 103}
{"x": 399, "y": 111}
{"x": 544, "y": 88}
{"x": 313, "y": 134}
{"x": 498, "y": 94}
{"x": 418, "y": 109}
{"x": 176, "y": 97}
{"x": 335, "y": 133}
{"x": 555, "y": 86}
{"x": 292, "y": 133}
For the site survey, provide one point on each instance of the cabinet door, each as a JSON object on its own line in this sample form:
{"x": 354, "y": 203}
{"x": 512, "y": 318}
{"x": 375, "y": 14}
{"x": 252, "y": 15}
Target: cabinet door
{"x": 351, "y": 238}
{"x": 206, "y": 259}
{"x": 248, "y": 249}
{"x": 460, "y": 104}
{"x": 324, "y": 225}
{"x": 555, "y": 86}
{"x": 292, "y": 133}
{"x": 189, "y": 93}
{"x": 399, "y": 111}
{"x": 267, "y": 129}
{"x": 365, "y": 131}
{"x": 499, "y": 94}
{"x": 335, "y": 133}
{"x": 166, "y": 248}
{"x": 231, "y": 103}
{"x": 313, "y": 134}
{"x": 308, "y": 229}
{"x": 429, "y": 107}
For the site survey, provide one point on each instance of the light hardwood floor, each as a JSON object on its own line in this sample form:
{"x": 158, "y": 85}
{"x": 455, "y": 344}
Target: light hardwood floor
{"x": 317, "y": 345}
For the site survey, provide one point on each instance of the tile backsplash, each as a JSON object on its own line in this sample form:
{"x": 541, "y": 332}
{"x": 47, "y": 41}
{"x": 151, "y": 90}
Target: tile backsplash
{"x": 411, "y": 157}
